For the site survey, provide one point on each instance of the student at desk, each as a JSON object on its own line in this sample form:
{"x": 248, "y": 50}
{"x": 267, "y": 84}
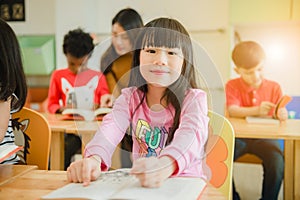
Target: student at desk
{"x": 252, "y": 95}
{"x": 168, "y": 116}
{"x": 69, "y": 85}
{"x": 13, "y": 87}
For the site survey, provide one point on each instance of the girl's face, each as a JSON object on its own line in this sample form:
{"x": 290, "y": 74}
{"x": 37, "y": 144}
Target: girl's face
{"x": 161, "y": 66}
{"x": 120, "y": 39}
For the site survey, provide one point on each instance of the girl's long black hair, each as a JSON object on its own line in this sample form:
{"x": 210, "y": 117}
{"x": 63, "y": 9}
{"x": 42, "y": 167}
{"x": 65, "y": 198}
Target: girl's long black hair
{"x": 12, "y": 77}
{"x": 169, "y": 33}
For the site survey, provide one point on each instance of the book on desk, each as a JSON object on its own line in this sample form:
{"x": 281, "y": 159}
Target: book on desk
{"x": 84, "y": 114}
{"x": 119, "y": 184}
{"x": 284, "y": 100}
{"x": 7, "y": 150}
{"x": 261, "y": 120}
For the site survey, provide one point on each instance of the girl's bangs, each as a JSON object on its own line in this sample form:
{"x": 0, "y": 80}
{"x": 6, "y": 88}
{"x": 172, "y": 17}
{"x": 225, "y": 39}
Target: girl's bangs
{"x": 162, "y": 37}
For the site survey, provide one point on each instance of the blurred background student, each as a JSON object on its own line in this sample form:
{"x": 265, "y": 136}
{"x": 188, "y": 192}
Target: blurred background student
{"x": 77, "y": 47}
{"x": 13, "y": 87}
{"x": 253, "y": 95}
{"x": 116, "y": 62}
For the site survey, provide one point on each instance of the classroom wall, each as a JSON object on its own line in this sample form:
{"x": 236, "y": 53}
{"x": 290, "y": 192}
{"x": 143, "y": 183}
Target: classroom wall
{"x": 40, "y": 18}
{"x": 57, "y": 17}
{"x": 207, "y": 22}
{"x": 281, "y": 42}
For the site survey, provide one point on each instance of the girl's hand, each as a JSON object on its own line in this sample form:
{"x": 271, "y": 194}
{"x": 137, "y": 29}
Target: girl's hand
{"x": 85, "y": 170}
{"x": 265, "y": 108}
{"x": 282, "y": 114}
{"x": 152, "y": 171}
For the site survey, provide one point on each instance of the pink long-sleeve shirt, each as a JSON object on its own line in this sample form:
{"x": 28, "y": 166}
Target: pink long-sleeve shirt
{"x": 150, "y": 131}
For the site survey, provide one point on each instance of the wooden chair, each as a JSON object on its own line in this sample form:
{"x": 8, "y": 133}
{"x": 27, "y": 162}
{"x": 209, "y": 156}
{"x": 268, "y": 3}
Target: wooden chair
{"x": 32, "y": 131}
{"x": 220, "y": 149}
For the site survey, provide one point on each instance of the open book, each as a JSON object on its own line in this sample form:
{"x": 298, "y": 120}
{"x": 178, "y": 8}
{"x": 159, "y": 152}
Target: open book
{"x": 84, "y": 114}
{"x": 7, "y": 150}
{"x": 119, "y": 184}
{"x": 268, "y": 120}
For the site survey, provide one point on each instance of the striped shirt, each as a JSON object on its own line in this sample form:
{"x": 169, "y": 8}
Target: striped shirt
{"x": 9, "y": 139}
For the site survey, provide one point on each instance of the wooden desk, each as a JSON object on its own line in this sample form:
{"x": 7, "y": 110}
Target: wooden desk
{"x": 86, "y": 129}
{"x": 37, "y": 183}
{"x": 290, "y": 132}
{"x": 10, "y": 172}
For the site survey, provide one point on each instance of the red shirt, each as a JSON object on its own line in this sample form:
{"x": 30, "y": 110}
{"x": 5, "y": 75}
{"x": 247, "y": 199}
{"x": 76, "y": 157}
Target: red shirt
{"x": 64, "y": 82}
{"x": 240, "y": 94}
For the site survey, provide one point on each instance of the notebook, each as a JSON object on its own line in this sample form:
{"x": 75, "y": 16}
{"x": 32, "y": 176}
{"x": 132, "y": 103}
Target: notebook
{"x": 261, "y": 120}
{"x": 7, "y": 150}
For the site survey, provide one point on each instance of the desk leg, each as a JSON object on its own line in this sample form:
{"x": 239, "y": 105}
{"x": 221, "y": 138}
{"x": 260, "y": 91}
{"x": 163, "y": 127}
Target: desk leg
{"x": 85, "y": 138}
{"x": 296, "y": 170}
{"x": 288, "y": 169}
{"x": 57, "y": 151}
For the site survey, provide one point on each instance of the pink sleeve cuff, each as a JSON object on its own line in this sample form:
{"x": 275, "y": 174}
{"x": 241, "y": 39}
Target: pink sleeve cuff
{"x": 96, "y": 150}
{"x": 178, "y": 157}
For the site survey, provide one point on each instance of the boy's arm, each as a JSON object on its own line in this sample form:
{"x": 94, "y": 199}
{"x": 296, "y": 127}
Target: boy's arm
{"x": 262, "y": 110}
{"x": 237, "y": 111}
{"x": 53, "y": 95}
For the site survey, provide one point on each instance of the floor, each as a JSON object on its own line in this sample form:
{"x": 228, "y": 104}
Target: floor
{"x": 248, "y": 181}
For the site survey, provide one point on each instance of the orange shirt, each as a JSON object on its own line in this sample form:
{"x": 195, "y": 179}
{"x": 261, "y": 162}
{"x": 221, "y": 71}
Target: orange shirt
{"x": 240, "y": 94}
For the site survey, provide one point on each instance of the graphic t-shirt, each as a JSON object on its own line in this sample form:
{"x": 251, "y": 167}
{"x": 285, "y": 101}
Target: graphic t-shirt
{"x": 87, "y": 87}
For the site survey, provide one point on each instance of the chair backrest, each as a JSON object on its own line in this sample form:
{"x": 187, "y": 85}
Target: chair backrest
{"x": 32, "y": 131}
{"x": 219, "y": 151}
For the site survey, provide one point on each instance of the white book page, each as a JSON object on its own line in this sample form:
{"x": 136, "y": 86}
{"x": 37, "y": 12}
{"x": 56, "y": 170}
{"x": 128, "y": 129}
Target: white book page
{"x": 260, "y": 120}
{"x": 178, "y": 188}
{"x": 106, "y": 185}
{"x": 7, "y": 150}
{"x": 118, "y": 184}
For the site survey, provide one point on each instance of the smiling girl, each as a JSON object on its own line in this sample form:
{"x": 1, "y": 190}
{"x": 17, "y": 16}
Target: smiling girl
{"x": 167, "y": 116}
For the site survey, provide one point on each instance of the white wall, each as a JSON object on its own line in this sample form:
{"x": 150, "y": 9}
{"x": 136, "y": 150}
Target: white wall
{"x": 39, "y": 16}
{"x": 201, "y": 17}
{"x": 72, "y": 14}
